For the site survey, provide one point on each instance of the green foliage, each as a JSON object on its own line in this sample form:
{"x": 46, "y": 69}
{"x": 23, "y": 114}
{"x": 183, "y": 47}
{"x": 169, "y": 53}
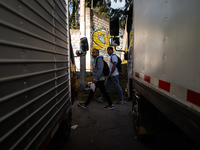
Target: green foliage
{"x": 101, "y": 7}
{"x": 73, "y": 14}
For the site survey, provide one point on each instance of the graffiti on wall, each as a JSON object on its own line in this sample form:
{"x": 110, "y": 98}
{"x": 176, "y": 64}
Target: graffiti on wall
{"x": 100, "y": 40}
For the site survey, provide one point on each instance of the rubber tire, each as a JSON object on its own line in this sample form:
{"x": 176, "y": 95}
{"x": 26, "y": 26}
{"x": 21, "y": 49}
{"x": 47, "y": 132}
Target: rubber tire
{"x": 137, "y": 120}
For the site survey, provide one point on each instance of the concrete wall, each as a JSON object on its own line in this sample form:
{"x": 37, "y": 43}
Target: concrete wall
{"x": 75, "y": 40}
{"x": 88, "y": 33}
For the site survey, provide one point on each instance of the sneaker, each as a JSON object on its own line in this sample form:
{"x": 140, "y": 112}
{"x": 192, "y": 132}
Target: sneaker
{"x": 99, "y": 99}
{"x": 82, "y": 105}
{"x": 121, "y": 102}
{"x": 108, "y": 107}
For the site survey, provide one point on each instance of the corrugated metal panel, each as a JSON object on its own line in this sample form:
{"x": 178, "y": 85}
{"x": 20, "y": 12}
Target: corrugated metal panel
{"x": 34, "y": 64}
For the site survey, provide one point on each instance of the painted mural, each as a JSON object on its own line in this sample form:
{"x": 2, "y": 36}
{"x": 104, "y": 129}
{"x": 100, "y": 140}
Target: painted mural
{"x": 100, "y": 40}
{"x": 131, "y": 35}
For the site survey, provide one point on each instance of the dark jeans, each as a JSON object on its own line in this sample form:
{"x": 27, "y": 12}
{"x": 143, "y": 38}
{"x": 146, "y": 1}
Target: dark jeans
{"x": 101, "y": 86}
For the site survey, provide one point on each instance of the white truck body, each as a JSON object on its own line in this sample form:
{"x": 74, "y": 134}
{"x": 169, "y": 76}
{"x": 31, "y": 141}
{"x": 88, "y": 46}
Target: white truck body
{"x": 165, "y": 59}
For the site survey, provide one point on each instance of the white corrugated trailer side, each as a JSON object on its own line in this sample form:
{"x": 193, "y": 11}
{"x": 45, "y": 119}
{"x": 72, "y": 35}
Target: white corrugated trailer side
{"x": 35, "y": 94}
{"x": 166, "y": 59}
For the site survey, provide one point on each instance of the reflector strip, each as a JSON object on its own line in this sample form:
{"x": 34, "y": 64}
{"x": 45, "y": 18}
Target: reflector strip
{"x": 53, "y": 132}
{"x": 137, "y": 74}
{"x": 175, "y": 90}
{"x": 46, "y": 143}
{"x": 164, "y": 85}
{"x": 193, "y": 97}
{"x": 147, "y": 78}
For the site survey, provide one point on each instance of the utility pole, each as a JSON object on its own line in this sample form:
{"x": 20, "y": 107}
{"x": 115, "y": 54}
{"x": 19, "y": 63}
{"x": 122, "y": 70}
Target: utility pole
{"x": 82, "y": 58}
{"x": 91, "y": 4}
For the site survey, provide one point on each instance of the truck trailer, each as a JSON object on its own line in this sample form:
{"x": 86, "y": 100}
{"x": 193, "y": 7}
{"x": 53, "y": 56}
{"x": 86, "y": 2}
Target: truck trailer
{"x": 37, "y": 77}
{"x": 164, "y": 66}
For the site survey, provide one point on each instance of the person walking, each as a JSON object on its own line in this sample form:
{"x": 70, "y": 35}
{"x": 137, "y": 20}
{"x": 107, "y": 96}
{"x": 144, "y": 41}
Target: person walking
{"x": 98, "y": 80}
{"x": 113, "y": 77}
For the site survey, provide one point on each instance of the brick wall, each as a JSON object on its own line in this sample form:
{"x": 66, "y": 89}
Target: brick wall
{"x": 99, "y": 20}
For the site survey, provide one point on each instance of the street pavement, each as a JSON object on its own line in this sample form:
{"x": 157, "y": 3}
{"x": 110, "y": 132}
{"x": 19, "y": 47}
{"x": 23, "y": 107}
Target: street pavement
{"x": 99, "y": 129}
{"x": 102, "y": 129}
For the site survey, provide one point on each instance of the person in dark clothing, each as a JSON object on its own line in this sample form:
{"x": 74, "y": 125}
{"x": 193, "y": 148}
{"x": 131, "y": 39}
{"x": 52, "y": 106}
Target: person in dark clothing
{"x": 98, "y": 80}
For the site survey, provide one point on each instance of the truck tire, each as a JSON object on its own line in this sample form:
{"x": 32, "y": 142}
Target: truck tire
{"x": 136, "y": 117}
{"x": 141, "y": 119}
{"x": 130, "y": 94}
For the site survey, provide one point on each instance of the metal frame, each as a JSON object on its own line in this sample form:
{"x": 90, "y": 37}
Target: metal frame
{"x": 184, "y": 117}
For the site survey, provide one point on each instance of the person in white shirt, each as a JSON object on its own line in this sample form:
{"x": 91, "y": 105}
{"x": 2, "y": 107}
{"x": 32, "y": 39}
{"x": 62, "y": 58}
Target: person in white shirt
{"x": 113, "y": 77}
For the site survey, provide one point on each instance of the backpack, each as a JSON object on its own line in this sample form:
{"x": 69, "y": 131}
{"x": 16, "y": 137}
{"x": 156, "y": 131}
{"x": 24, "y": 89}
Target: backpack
{"x": 106, "y": 70}
{"x": 119, "y": 64}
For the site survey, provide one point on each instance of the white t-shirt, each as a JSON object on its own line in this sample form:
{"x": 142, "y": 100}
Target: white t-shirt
{"x": 114, "y": 59}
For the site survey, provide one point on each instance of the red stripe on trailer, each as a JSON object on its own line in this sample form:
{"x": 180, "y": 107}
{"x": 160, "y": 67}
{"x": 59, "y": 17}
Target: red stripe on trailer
{"x": 164, "y": 85}
{"x": 62, "y": 119}
{"x": 50, "y": 137}
{"x": 147, "y": 78}
{"x": 46, "y": 143}
{"x": 137, "y": 74}
{"x": 193, "y": 97}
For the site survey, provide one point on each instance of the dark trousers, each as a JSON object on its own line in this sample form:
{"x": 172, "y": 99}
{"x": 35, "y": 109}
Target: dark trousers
{"x": 101, "y": 86}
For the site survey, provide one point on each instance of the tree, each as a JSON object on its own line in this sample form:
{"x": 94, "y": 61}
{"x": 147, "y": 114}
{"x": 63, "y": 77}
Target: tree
{"x": 121, "y": 12}
{"x": 73, "y": 16}
{"x": 99, "y": 6}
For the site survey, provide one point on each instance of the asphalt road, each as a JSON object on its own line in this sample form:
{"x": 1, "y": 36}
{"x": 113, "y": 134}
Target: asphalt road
{"x": 102, "y": 129}
{"x": 98, "y": 129}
